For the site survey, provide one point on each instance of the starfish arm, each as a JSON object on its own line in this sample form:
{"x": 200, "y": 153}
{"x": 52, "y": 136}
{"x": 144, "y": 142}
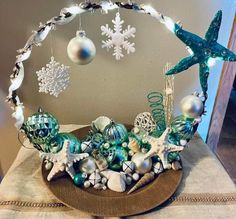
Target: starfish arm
{"x": 213, "y": 31}
{"x": 150, "y": 153}
{"x": 70, "y": 170}
{"x": 223, "y": 53}
{"x": 175, "y": 148}
{"x": 183, "y": 65}
{"x": 78, "y": 157}
{"x": 203, "y": 75}
{"x": 55, "y": 169}
{"x": 164, "y": 159}
{"x": 164, "y": 136}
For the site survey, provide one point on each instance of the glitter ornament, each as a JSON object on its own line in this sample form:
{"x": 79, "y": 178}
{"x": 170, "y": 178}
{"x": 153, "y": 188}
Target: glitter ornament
{"x": 56, "y": 143}
{"x": 54, "y": 78}
{"x": 118, "y": 38}
{"x": 115, "y": 133}
{"x": 41, "y": 127}
{"x": 81, "y": 50}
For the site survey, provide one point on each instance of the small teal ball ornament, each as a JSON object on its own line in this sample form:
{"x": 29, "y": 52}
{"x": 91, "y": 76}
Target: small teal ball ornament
{"x": 79, "y": 179}
{"x": 115, "y": 133}
{"x": 41, "y": 127}
{"x": 116, "y": 156}
{"x": 56, "y": 143}
{"x": 80, "y": 49}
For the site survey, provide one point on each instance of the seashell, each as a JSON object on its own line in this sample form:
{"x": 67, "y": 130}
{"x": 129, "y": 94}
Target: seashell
{"x": 176, "y": 165}
{"x": 128, "y": 167}
{"x": 100, "y": 123}
{"x": 134, "y": 146}
{"x": 116, "y": 181}
{"x": 148, "y": 177}
{"x": 95, "y": 178}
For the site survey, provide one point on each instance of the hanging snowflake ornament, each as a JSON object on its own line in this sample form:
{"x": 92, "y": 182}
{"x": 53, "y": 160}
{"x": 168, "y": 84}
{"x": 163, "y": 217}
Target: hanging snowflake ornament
{"x": 118, "y": 38}
{"x": 54, "y": 78}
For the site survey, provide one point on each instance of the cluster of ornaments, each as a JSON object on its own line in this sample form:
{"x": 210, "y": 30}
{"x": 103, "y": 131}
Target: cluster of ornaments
{"x": 111, "y": 157}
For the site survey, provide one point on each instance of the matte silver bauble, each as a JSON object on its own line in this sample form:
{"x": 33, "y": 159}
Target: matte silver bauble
{"x": 87, "y": 165}
{"x": 192, "y": 106}
{"x": 142, "y": 166}
{"x": 80, "y": 49}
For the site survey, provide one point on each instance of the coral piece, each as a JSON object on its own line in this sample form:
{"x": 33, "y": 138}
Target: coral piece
{"x": 118, "y": 38}
{"x": 161, "y": 147}
{"x": 148, "y": 177}
{"x": 63, "y": 160}
{"x": 54, "y": 78}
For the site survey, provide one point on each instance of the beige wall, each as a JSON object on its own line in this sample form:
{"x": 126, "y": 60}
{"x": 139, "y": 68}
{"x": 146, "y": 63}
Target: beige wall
{"x": 116, "y": 89}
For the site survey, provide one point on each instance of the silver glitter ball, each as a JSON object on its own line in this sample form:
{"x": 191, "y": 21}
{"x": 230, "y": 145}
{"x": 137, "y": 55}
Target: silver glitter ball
{"x": 142, "y": 166}
{"x": 192, "y": 106}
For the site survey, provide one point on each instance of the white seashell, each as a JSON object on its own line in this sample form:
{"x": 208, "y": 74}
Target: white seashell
{"x": 176, "y": 165}
{"x": 100, "y": 123}
{"x": 116, "y": 181}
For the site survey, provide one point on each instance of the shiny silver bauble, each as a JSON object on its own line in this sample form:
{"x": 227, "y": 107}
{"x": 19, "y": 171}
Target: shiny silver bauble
{"x": 80, "y": 49}
{"x": 192, "y": 106}
{"x": 87, "y": 165}
{"x": 142, "y": 166}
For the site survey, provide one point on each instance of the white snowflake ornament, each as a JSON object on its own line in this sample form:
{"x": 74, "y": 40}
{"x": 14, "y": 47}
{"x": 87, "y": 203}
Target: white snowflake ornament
{"x": 54, "y": 78}
{"x": 118, "y": 38}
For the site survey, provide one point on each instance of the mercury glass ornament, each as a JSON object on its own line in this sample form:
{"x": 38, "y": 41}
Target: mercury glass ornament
{"x": 56, "y": 143}
{"x": 115, "y": 133}
{"x": 81, "y": 50}
{"x": 142, "y": 165}
{"x": 192, "y": 106}
{"x": 41, "y": 127}
{"x": 87, "y": 165}
{"x": 116, "y": 156}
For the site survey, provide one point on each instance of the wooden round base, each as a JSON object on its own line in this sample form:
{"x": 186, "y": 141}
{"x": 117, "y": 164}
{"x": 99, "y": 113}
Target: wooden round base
{"x": 108, "y": 203}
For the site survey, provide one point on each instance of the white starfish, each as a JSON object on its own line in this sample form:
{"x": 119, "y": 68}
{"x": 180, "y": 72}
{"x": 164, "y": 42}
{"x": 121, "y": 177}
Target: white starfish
{"x": 63, "y": 160}
{"x": 161, "y": 147}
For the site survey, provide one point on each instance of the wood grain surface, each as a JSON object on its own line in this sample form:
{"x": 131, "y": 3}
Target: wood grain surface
{"x": 108, "y": 203}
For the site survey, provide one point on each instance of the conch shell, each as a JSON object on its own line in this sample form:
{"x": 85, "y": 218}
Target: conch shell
{"x": 148, "y": 177}
{"x": 134, "y": 146}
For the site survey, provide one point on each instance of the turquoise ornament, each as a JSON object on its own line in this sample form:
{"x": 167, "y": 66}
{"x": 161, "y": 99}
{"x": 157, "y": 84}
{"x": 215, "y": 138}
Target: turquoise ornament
{"x": 41, "y": 127}
{"x": 79, "y": 179}
{"x": 182, "y": 128}
{"x": 56, "y": 143}
{"x": 97, "y": 140}
{"x": 115, "y": 157}
{"x": 204, "y": 51}
{"x": 173, "y": 156}
{"x": 115, "y": 134}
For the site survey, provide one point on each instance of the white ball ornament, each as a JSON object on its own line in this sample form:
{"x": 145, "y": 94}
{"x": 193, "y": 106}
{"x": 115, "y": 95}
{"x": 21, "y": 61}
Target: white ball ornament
{"x": 142, "y": 165}
{"x": 80, "y": 49}
{"x": 192, "y": 106}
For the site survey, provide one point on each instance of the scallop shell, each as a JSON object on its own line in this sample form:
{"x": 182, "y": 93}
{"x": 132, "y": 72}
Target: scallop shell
{"x": 99, "y": 124}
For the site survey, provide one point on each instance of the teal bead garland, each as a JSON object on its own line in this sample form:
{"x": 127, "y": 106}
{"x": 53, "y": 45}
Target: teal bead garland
{"x": 115, "y": 134}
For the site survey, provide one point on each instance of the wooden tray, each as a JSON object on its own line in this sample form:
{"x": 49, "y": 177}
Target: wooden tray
{"x": 108, "y": 203}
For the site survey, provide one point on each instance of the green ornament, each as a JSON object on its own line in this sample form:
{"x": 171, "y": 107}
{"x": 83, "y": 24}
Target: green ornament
{"x": 203, "y": 51}
{"x": 79, "y": 179}
{"x": 115, "y": 157}
{"x": 173, "y": 156}
{"x": 56, "y": 143}
{"x": 182, "y": 128}
{"x": 115, "y": 134}
{"x": 97, "y": 140}
{"x": 41, "y": 127}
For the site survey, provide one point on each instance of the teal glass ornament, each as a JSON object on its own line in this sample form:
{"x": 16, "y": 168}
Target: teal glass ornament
{"x": 56, "y": 143}
{"x": 203, "y": 50}
{"x": 97, "y": 140}
{"x": 41, "y": 127}
{"x": 115, "y": 134}
{"x": 115, "y": 157}
{"x": 79, "y": 179}
{"x": 182, "y": 128}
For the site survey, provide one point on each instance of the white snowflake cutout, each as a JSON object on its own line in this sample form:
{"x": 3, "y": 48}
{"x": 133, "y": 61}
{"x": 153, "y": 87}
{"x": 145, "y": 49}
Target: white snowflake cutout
{"x": 54, "y": 78}
{"x": 118, "y": 38}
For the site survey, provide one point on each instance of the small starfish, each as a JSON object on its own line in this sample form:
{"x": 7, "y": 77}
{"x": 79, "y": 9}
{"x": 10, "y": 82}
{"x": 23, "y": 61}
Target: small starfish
{"x": 63, "y": 160}
{"x": 161, "y": 147}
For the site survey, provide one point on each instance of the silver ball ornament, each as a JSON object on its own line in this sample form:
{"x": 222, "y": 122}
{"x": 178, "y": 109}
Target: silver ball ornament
{"x": 80, "y": 49}
{"x": 192, "y": 106}
{"x": 142, "y": 165}
{"x": 87, "y": 165}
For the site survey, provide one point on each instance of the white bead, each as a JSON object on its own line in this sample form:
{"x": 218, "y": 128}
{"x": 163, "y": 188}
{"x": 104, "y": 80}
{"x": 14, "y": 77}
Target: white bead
{"x": 87, "y": 184}
{"x": 136, "y": 130}
{"x": 131, "y": 153}
{"x": 183, "y": 142}
{"x": 124, "y": 144}
{"x": 135, "y": 176}
{"x": 106, "y": 145}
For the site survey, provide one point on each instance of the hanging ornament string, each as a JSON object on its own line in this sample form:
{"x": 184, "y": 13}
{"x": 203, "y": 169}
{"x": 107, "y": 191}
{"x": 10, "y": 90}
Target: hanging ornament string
{"x": 22, "y": 144}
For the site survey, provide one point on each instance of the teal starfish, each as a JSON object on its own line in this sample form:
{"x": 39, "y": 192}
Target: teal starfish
{"x": 203, "y": 50}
